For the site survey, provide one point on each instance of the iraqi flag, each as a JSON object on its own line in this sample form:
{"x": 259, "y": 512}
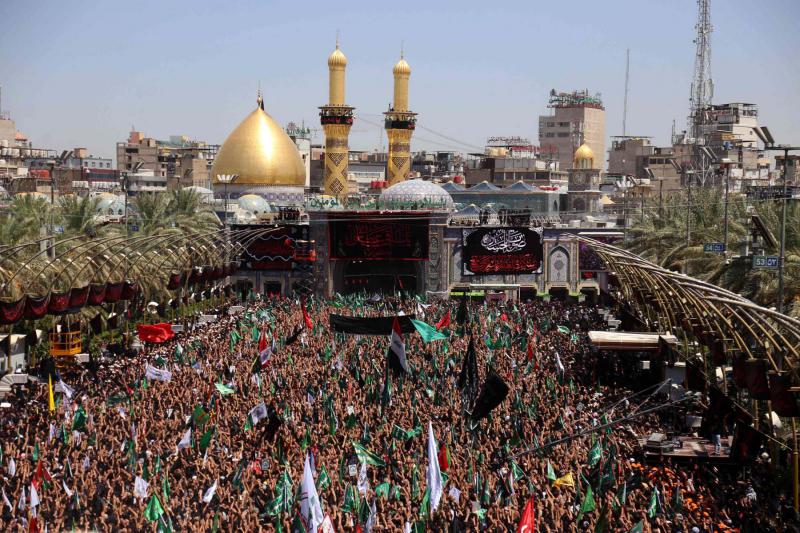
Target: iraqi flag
{"x": 262, "y": 342}
{"x": 444, "y": 322}
{"x": 262, "y": 361}
{"x": 530, "y": 350}
{"x": 397, "y": 350}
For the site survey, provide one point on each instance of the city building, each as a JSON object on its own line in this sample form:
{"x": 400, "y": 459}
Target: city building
{"x": 182, "y": 161}
{"x": 637, "y": 157}
{"x": 577, "y": 118}
{"x": 507, "y": 160}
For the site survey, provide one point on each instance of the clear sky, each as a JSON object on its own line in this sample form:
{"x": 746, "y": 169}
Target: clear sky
{"x": 82, "y": 72}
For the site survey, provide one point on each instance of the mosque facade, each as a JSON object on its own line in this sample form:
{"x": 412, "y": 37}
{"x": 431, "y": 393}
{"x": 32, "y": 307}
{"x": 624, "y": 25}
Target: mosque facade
{"x": 416, "y": 236}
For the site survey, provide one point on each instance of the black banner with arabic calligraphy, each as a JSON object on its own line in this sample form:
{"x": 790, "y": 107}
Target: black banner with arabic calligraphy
{"x": 508, "y": 250}
{"x": 396, "y": 236}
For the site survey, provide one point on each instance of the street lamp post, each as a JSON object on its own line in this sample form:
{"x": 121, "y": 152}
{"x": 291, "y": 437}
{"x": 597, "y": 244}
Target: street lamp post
{"x": 727, "y": 162}
{"x": 764, "y": 134}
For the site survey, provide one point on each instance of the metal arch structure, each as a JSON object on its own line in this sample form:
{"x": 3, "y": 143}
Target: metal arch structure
{"x": 97, "y": 260}
{"x": 723, "y": 321}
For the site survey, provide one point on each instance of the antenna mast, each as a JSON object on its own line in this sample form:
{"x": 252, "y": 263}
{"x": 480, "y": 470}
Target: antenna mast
{"x": 627, "y": 77}
{"x": 702, "y": 89}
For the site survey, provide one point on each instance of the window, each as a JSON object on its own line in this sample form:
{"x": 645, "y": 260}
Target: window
{"x": 563, "y": 134}
{"x": 550, "y": 134}
{"x": 551, "y": 124}
{"x": 93, "y": 164}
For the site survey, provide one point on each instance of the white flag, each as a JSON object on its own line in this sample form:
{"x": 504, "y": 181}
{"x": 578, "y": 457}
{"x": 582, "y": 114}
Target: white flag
{"x": 209, "y": 495}
{"x": 186, "y": 440}
{"x": 259, "y": 412}
{"x": 372, "y": 518}
{"x": 433, "y": 475}
{"x": 559, "y": 364}
{"x": 140, "y": 488}
{"x": 85, "y": 464}
{"x": 66, "y": 389}
{"x": 455, "y": 494}
{"x": 327, "y": 526}
{"x": 156, "y": 374}
{"x": 52, "y": 432}
{"x": 309, "y": 499}
{"x": 66, "y": 489}
{"x": 34, "y": 496}
{"x": 363, "y": 481}
{"x": 12, "y": 467}
{"x": 5, "y": 500}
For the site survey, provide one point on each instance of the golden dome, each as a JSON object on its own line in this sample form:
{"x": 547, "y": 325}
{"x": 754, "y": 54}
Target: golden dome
{"x": 402, "y": 67}
{"x": 337, "y": 58}
{"x": 583, "y": 155}
{"x": 260, "y": 153}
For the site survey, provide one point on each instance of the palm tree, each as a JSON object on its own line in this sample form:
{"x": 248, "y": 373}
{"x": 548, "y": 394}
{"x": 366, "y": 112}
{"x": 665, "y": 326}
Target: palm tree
{"x": 661, "y": 238}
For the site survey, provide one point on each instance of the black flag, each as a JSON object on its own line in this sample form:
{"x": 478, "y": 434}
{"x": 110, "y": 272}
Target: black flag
{"x": 492, "y": 394}
{"x": 468, "y": 378}
{"x": 462, "y": 316}
{"x": 293, "y": 337}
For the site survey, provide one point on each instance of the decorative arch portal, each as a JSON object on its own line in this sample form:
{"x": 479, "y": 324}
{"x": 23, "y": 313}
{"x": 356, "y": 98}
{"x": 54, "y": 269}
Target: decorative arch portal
{"x": 579, "y": 204}
{"x": 558, "y": 266}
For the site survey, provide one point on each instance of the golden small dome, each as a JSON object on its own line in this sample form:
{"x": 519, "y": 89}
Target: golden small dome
{"x": 260, "y": 153}
{"x": 402, "y": 67}
{"x": 583, "y": 155}
{"x": 337, "y": 59}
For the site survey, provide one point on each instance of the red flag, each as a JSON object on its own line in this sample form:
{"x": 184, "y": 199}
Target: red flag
{"x": 155, "y": 333}
{"x": 262, "y": 341}
{"x": 530, "y": 350}
{"x": 503, "y": 317}
{"x": 527, "y": 523}
{"x": 444, "y": 322}
{"x": 306, "y": 318}
{"x": 444, "y": 458}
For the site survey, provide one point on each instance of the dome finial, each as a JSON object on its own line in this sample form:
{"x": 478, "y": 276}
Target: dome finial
{"x": 337, "y": 39}
{"x": 402, "y": 47}
{"x": 260, "y": 98}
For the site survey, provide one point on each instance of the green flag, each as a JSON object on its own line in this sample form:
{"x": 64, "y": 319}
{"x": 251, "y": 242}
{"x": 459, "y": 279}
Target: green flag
{"x": 427, "y": 332}
{"x": 366, "y": 456}
{"x": 165, "y": 487}
{"x": 200, "y": 416}
{"x": 349, "y": 504}
{"x": 154, "y": 509}
{"x": 79, "y": 420}
{"x": 563, "y": 329}
{"x": 652, "y": 508}
{"x": 414, "y": 483}
{"x": 297, "y": 524}
{"x": 588, "y": 504}
{"x": 551, "y": 474}
{"x": 205, "y": 439}
{"x": 424, "y": 507}
{"x": 35, "y": 455}
{"x": 224, "y": 390}
{"x": 323, "y": 480}
{"x": 638, "y": 528}
{"x": 595, "y": 454}
{"x": 382, "y": 490}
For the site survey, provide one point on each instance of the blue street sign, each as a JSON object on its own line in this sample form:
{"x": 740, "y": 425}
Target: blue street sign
{"x": 134, "y": 228}
{"x": 59, "y": 229}
{"x": 714, "y": 247}
{"x": 766, "y": 261}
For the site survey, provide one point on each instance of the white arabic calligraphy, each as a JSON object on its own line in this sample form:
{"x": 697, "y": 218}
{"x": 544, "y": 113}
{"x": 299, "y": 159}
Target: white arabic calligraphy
{"x": 504, "y": 240}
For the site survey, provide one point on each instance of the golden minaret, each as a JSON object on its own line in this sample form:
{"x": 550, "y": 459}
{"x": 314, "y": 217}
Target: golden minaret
{"x": 336, "y": 119}
{"x": 399, "y": 123}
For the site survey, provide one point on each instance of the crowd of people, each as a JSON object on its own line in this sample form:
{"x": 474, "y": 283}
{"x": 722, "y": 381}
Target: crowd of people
{"x": 188, "y": 449}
